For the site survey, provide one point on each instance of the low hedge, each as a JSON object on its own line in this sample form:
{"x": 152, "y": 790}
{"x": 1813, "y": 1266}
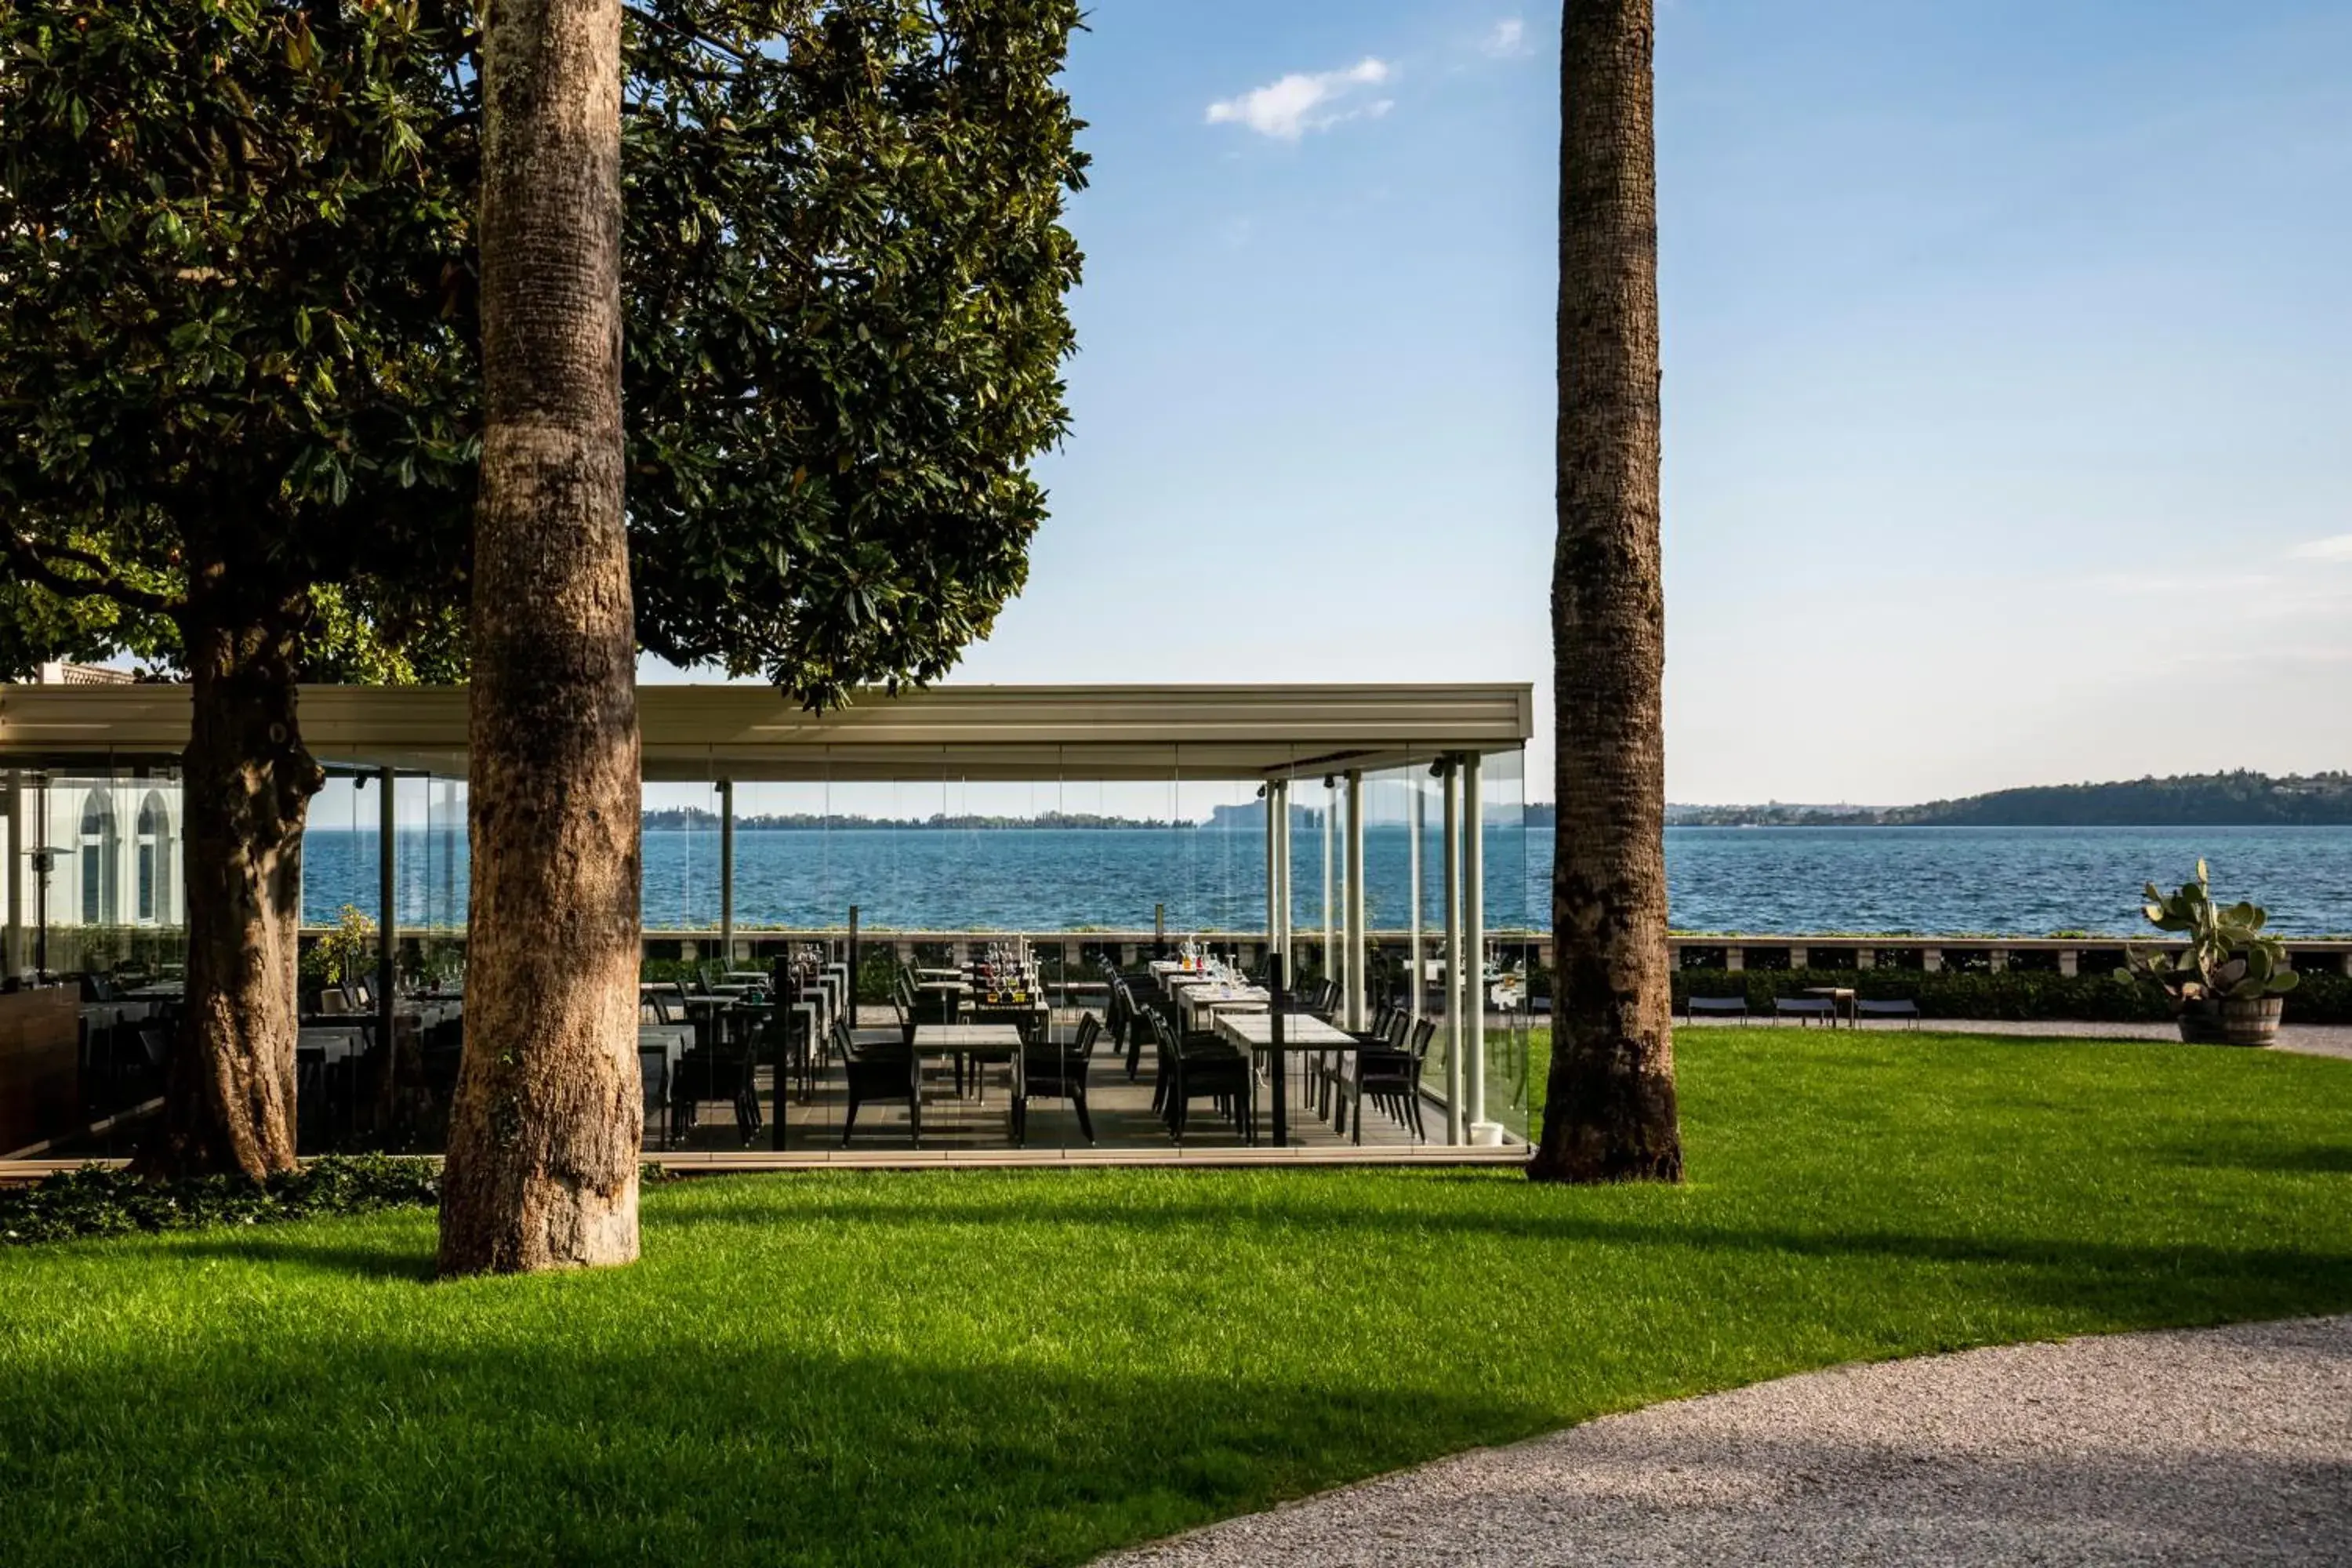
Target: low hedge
{"x": 2022, "y": 995}
{"x": 100, "y": 1201}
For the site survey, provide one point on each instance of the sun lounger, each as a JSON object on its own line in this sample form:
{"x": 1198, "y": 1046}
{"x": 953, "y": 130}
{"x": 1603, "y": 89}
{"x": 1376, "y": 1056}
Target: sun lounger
{"x": 1899, "y": 1007}
{"x": 1805, "y": 1009}
{"x": 1715, "y": 1007}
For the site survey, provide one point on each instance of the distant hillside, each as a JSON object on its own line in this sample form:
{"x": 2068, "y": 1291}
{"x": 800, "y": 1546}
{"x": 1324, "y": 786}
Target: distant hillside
{"x": 2196, "y": 799}
{"x": 2200, "y": 800}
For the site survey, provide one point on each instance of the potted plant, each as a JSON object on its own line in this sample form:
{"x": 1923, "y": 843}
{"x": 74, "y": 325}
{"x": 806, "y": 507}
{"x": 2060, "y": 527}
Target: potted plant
{"x": 2228, "y": 983}
{"x": 336, "y": 958}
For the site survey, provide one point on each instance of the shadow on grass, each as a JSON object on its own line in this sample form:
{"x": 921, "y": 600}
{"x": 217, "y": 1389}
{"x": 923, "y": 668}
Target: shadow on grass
{"x": 374, "y": 1260}
{"x": 2272, "y": 1159}
{"x": 327, "y": 1450}
{"x": 689, "y": 1412}
{"x": 2071, "y": 1258}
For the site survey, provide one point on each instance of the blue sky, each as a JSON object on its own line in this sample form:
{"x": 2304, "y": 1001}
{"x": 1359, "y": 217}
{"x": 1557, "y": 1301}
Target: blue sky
{"x": 2007, "y": 380}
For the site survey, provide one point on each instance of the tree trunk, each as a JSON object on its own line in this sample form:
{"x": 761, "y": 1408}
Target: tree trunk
{"x": 543, "y": 1140}
{"x": 1608, "y": 1107}
{"x": 247, "y": 783}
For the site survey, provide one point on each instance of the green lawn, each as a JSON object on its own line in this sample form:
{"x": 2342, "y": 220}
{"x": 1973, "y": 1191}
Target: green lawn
{"x": 1026, "y": 1367}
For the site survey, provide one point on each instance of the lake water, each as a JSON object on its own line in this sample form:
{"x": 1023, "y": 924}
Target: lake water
{"x": 1767, "y": 880}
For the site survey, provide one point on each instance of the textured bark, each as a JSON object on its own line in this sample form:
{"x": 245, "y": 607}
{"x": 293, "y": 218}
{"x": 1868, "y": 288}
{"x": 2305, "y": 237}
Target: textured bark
{"x": 229, "y": 1101}
{"x": 544, "y": 1142}
{"x": 1608, "y": 1107}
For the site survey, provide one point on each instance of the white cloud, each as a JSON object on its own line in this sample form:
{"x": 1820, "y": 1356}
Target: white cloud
{"x": 1300, "y": 102}
{"x": 1507, "y": 38}
{"x": 2336, "y": 548}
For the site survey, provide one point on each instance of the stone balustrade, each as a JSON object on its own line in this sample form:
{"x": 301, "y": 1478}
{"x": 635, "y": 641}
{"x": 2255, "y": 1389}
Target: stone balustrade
{"x": 2061, "y": 955}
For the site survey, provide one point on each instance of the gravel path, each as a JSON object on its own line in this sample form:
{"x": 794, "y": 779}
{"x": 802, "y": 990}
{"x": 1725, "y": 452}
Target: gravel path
{"x": 2219, "y": 1446}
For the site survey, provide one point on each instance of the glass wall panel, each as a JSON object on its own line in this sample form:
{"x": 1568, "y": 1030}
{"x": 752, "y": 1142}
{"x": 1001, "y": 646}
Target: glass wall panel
{"x": 339, "y": 853}
{"x": 1512, "y": 1080}
{"x": 681, "y": 861}
{"x": 96, "y": 953}
{"x": 431, "y": 872}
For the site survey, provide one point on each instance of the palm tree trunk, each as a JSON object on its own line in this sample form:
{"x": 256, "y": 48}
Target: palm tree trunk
{"x": 544, "y": 1142}
{"x": 1609, "y": 1107}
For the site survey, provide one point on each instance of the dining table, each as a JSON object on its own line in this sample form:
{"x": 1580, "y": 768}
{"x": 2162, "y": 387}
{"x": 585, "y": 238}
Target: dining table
{"x": 978, "y": 1042}
{"x": 1301, "y": 1035}
{"x": 1199, "y": 999}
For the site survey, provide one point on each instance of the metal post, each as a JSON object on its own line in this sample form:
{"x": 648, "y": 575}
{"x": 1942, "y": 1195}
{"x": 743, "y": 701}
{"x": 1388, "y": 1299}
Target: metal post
{"x": 387, "y": 948}
{"x": 1483, "y": 1132}
{"x": 44, "y": 861}
{"x": 1453, "y": 1032}
{"x": 1417, "y": 824}
{"x": 727, "y": 872}
{"x": 1355, "y": 908}
{"x": 1278, "y": 1004}
{"x": 19, "y": 865}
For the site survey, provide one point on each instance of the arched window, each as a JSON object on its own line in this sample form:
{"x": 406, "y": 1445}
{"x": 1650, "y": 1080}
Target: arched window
{"x": 154, "y": 833}
{"x": 96, "y": 858}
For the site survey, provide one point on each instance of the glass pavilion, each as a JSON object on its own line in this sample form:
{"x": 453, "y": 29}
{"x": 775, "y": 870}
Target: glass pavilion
{"x": 1372, "y": 835}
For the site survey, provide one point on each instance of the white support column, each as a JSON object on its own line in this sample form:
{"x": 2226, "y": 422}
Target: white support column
{"x": 1277, "y": 818}
{"x": 1329, "y": 950}
{"x": 1283, "y": 869}
{"x": 1355, "y": 904}
{"x": 1416, "y": 825}
{"x": 1454, "y": 1030}
{"x": 1273, "y": 883}
{"x": 727, "y": 872}
{"x": 1485, "y": 1133}
{"x": 387, "y": 897}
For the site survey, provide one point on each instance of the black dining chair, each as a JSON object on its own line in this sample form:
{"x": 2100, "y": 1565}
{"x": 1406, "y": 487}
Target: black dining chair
{"x": 1391, "y": 1078}
{"x": 1056, "y": 1071}
{"x": 653, "y": 1070}
{"x": 721, "y": 1067}
{"x": 1199, "y": 1069}
{"x": 877, "y": 1074}
{"x": 1331, "y": 1072}
{"x": 1116, "y": 1010}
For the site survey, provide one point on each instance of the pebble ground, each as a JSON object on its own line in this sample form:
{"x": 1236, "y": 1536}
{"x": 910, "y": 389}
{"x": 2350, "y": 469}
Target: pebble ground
{"x": 2221, "y": 1446}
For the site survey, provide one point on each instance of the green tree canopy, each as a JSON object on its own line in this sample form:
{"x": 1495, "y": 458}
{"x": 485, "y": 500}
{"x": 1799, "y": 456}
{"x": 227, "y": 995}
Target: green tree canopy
{"x": 238, "y": 332}
{"x": 236, "y": 379}
{"x": 845, "y": 270}
{"x": 240, "y": 381}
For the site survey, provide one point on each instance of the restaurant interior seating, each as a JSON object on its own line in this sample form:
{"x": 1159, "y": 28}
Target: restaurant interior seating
{"x": 877, "y": 1074}
{"x": 1201, "y": 1067}
{"x": 653, "y": 1068}
{"x": 719, "y": 1068}
{"x": 1058, "y": 1071}
{"x": 1390, "y": 1078}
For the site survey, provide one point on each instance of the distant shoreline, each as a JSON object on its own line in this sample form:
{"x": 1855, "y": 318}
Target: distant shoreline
{"x": 746, "y": 825}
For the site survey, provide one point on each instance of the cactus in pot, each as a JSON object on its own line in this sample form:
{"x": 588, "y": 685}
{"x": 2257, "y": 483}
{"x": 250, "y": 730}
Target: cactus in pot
{"x": 2228, "y": 981}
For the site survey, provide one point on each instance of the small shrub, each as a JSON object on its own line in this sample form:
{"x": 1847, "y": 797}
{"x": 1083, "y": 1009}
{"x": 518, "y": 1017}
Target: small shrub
{"x": 97, "y": 1201}
{"x": 2019, "y": 995}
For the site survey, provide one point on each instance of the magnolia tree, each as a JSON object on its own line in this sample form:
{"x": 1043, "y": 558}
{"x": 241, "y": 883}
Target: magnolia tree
{"x": 240, "y": 390}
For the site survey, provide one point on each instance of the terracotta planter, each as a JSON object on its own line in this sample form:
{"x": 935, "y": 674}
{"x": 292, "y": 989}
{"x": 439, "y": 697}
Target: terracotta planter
{"x": 2252, "y": 1022}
